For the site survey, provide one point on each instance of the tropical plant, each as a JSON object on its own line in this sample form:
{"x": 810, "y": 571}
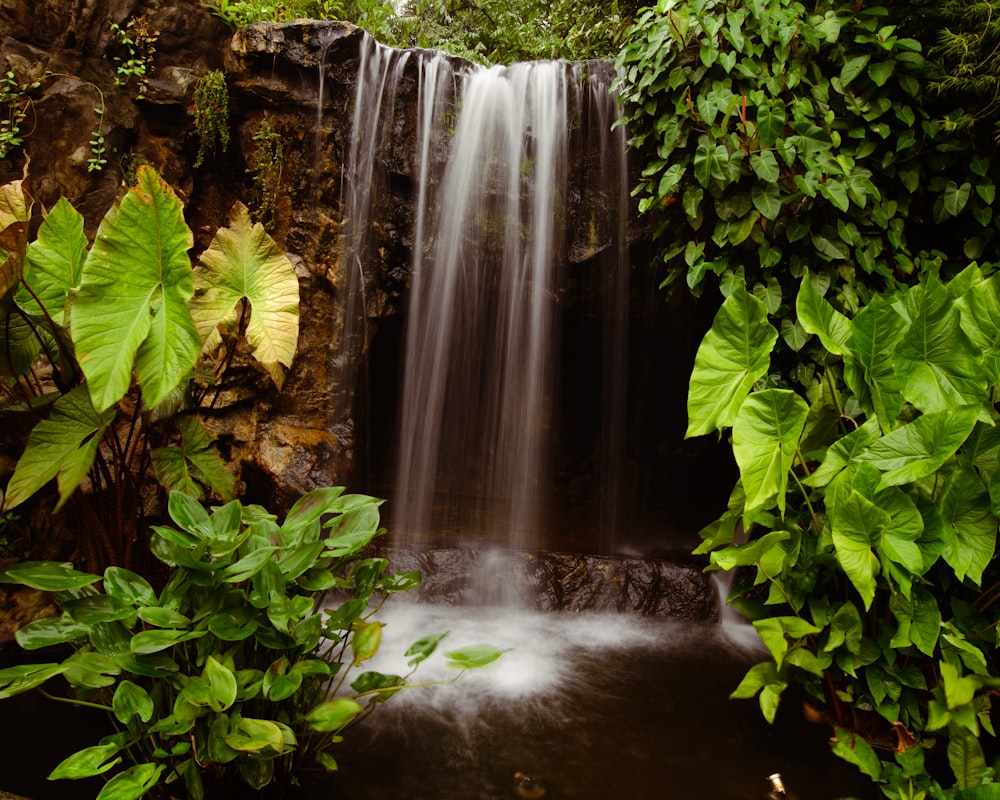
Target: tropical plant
{"x": 778, "y": 137}
{"x": 866, "y": 516}
{"x": 211, "y": 115}
{"x": 119, "y": 328}
{"x": 240, "y": 667}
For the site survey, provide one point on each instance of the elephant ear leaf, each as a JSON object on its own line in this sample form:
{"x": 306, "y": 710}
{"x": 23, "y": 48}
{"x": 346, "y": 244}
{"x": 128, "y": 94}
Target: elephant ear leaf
{"x": 53, "y": 264}
{"x": 735, "y": 352}
{"x": 242, "y": 264}
{"x": 131, "y": 308}
{"x": 63, "y": 447}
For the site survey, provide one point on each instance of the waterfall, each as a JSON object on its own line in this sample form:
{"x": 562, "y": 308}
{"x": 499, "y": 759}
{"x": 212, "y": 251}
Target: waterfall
{"x": 477, "y": 374}
{"x": 503, "y": 157}
{"x": 379, "y": 73}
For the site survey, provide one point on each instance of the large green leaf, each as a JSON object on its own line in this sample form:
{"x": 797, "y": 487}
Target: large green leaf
{"x": 735, "y": 352}
{"x": 765, "y": 438}
{"x": 858, "y": 524}
{"x": 921, "y": 447}
{"x": 869, "y": 368}
{"x": 243, "y": 263}
{"x": 970, "y": 529}
{"x": 53, "y": 264}
{"x": 942, "y": 367}
{"x": 131, "y": 309}
{"x": 817, "y": 316}
{"x": 63, "y": 447}
{"x": 980, "y": 319}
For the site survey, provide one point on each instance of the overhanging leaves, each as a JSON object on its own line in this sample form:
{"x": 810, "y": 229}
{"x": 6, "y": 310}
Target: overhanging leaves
{"x": 732, "y": 356}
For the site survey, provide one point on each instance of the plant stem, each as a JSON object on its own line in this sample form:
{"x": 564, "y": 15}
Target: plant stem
{"x": 71, "y": 701}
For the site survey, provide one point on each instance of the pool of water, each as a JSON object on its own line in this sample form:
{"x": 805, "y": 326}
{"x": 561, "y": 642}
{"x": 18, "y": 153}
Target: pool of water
{"x": 590, "y": 707}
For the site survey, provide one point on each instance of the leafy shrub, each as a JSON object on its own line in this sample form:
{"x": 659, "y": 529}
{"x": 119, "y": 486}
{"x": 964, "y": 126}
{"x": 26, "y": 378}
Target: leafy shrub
{"x": 237, "y": 668}
{"x": 867, "y": 513}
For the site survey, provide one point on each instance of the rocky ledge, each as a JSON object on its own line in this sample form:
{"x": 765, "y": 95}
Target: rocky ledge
{"x": 551, "y": 581}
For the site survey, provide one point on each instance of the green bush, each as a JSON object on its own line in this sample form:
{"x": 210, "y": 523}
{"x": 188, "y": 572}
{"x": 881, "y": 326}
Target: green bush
{"x": 239, "y": 668}
{"x": 867, "y": 513}
{"x": 777, "y": 137}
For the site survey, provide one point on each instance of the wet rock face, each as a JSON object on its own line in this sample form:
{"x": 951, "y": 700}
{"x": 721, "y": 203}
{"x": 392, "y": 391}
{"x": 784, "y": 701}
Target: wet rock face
{"x": 549, "y": 581}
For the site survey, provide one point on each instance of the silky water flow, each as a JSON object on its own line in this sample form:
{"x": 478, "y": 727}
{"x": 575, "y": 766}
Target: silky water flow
{"x": 582, "y": 706}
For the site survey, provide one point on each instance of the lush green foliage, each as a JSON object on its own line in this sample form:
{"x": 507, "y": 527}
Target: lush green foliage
{"x": 867, "y": 512}
{"x": 778, "y": 138}
{"x": 795, "y": 157}
{"x": 237, "y": 667}
{"x": 122, "y": 325}
{"x": 211, "y": 115}
{"x": 496, "y": 32}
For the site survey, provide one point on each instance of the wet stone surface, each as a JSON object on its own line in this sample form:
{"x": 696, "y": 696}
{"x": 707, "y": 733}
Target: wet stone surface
{"x": 552, "y": 581}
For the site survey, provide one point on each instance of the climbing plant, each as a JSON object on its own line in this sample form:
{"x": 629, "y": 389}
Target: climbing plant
{"x": 778, "y": 137}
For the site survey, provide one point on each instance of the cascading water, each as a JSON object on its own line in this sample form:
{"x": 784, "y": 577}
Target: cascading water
{"x": 478, "y": 342}
{"x": 588, "y": 703}
{"x": 479, "y": 397}
{"x": 379, "y": 72}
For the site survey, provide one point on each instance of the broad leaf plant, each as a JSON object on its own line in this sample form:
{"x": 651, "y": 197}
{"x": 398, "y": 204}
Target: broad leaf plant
{"x": 795, "y": 158}
{"x": 247, "y": 665}
{"x": 108, "y": 348}
{"x": 865, "y": 518}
